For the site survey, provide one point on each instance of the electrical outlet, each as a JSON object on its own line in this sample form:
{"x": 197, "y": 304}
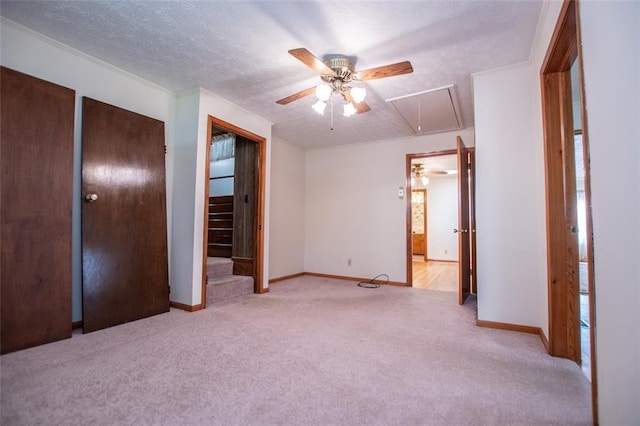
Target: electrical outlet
{"x": 446, "y": 252}
{"x": 348, "y": 262}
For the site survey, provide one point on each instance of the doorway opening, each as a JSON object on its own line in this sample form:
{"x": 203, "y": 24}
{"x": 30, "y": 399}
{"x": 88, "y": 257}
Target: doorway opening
{"x": 434, "y": 206}
{"x": 440, "y": 221}
{"x": 234, "y": 213}
{"x": 568, "y": 193}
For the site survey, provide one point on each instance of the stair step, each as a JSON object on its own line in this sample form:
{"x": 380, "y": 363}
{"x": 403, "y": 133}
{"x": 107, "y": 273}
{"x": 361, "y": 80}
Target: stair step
{"x": 228, "y": 287}
{"x": 218, "y": 267}
{"x": 214, "y": 250}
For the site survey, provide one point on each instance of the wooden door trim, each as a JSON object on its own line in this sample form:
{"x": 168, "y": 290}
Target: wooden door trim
{"x": 408, "y": 218}
{"x": 564, "y": 48}
{"x": 472, "y": 219}
{"x": 258, "y": 285}
{"x": 424, "y": 224}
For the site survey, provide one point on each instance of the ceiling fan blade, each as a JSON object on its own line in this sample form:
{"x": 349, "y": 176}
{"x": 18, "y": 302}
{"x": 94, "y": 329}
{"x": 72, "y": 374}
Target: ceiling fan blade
{"x": 362, "y": 107}
{"x": 310, "y": 60}
{"x": 301, "y": 94}
{"x": 385, "y": 71}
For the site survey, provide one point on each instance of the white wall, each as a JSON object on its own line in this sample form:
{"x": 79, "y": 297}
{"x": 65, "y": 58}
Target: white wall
{"x": 352, "y": 209}
{"x": 611, "y": 52}
{"x": 31, "y": 53}
{"x": 286, "y": 246}
{"x": 509, "y": 134}
{"x": 442, "y": 218}
{"x": 182, "y": 274}
{"x": 213, "y": 105}
{"x": 185, "y": 118}
{"x": 510, "y": 231}
{"x": 510, "y": 204}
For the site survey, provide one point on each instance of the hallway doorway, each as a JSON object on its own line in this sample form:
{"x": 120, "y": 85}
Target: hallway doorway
{"x": 433, "y": 214}
{"x": 570, "y": 268}
{"x": 233, "y": 247}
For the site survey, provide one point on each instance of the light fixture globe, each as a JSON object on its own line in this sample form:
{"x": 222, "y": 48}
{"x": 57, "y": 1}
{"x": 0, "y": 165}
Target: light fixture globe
{"x": 319, "y": 107}
{"x": 323, "y": 92}
{"x": 358, "y": 94}
{"x": 349, "y": 109}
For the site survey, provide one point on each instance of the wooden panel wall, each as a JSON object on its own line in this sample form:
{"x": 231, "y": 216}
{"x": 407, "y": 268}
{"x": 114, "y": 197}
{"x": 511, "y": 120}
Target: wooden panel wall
{"x": 245, "y": 202}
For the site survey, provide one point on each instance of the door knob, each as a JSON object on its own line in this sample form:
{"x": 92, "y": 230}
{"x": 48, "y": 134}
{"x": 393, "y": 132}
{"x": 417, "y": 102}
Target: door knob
{"x": 455, "y": 231}
{"x": 90, "y": 198}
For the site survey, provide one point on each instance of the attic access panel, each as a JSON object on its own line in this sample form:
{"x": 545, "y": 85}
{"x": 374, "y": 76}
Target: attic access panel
{"x": 430, "y": 111}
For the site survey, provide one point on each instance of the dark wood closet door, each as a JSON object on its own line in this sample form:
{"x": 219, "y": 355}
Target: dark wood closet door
{"x": 124, "y": 223}
{"x": 35, "y": 209}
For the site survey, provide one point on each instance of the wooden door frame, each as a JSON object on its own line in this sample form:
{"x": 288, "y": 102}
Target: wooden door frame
{"x": 258, "y": 285}
{"x": 563, "y": 294}
{"x": 408, "y": 217}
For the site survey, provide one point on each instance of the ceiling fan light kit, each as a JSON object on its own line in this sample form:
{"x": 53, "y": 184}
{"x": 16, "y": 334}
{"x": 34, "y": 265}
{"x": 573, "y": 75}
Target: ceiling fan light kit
{"x": 319, "y": 107}
{"x": 337, "y": 73}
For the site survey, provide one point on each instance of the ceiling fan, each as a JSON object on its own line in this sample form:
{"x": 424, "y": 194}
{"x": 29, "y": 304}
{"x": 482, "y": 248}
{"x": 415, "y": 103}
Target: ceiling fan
{"x": 419, "y": 172}
{"x": 337, "y": 72}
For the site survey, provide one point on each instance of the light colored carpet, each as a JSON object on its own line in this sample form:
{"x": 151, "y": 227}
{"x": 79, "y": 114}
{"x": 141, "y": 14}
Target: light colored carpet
{"x": 313, "y": 351}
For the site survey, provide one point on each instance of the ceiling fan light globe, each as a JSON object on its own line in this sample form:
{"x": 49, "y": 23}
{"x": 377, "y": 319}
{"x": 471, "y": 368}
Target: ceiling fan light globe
{"x": 358, "y": 94}
{"x": 349, "y": 109}
{"x": 425, "y": 180}
{"x": 319, "y": 107}
{"x": 323, "y": 92}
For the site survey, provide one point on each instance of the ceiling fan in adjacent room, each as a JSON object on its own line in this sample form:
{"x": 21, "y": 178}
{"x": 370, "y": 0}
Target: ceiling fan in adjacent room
{"x": 419, "y": 172}
{"x": 337, "y": 73}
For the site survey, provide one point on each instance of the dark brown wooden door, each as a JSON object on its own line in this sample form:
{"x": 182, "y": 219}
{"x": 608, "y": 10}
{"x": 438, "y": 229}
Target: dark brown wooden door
{"x": 464, "y": 246}
{"x": 245, "y": 200}
{"x": 124, "y": 228}
{"x": 35, "y": 209}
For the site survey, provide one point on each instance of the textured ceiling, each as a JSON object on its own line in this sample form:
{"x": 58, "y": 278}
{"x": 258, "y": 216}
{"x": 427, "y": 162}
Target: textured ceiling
{"x": 238, "y": 50}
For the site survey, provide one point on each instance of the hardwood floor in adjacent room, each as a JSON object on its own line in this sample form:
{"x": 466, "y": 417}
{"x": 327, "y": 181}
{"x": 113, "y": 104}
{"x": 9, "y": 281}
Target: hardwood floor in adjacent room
{"x": 435, "y": 275}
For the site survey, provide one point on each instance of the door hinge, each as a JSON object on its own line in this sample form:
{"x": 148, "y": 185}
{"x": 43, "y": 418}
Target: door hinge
{"x": 169, "y": 287}
{"x": 165, "y": 149}
{"x": 470, "y": 271}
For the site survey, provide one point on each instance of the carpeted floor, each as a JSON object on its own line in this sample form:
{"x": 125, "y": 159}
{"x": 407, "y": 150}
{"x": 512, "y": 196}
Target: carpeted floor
{"x": 313, "y": 351}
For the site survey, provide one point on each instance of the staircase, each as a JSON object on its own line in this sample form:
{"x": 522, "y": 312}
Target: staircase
{"x": 220, "y": 226}
{"x": 222, "y": 284}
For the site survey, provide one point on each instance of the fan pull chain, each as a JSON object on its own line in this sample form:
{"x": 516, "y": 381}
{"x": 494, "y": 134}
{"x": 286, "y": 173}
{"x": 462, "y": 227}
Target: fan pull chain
{"x": 331, "y": 101}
